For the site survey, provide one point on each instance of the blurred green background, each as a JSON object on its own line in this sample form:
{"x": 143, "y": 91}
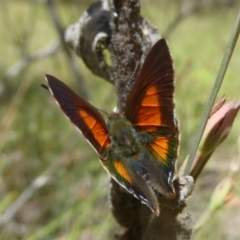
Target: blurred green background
{"x": 37, "y": 140}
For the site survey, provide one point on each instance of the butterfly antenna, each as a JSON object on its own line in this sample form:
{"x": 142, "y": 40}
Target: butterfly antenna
{"x": 44, "y": 86}
{"x": 102, "y": 111}
{"x": 131, "y": 78}
{"x": 135, "y": 70}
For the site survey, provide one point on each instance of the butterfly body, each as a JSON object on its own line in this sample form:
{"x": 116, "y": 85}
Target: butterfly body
{"x": 139, "y": 147}
{"x": 131, "y": 161}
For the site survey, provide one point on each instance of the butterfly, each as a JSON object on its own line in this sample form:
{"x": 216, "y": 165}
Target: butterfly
{"x": 139, "y": 148}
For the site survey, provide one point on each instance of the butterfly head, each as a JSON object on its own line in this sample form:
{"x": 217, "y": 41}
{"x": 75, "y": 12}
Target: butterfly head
{"x": 121, "y": 130}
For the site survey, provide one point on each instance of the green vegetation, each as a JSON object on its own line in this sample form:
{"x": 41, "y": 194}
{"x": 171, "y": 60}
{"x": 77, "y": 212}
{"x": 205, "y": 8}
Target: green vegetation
{"x": 37, "y": 139}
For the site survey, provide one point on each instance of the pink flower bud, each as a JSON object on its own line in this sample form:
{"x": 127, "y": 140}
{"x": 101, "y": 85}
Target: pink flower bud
{"x": 218, "y": 127}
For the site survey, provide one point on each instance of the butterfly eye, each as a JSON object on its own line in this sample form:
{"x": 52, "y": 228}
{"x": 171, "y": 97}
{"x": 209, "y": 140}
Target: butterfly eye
{"x": 133, "y": 153}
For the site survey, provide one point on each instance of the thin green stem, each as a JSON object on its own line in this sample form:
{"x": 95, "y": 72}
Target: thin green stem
{"x": 216, "y": 87}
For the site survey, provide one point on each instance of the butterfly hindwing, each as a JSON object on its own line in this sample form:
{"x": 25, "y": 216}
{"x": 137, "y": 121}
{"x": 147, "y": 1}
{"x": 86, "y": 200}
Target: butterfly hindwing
{"x": 129, "y": 178}
{"x": 163, "y": 167}
{"x": 82, "y": 114}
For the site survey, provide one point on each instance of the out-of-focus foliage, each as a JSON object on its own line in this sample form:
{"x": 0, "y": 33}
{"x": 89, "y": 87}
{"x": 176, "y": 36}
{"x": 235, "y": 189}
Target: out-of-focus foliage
{"x": 36, "y": 138}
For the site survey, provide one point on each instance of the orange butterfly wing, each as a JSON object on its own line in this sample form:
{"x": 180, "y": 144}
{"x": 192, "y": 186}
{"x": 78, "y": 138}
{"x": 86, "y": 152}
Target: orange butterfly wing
{"x": 82, "y": 114}
{"x": 150, "y": 108}
{"x": 152, "y": 93}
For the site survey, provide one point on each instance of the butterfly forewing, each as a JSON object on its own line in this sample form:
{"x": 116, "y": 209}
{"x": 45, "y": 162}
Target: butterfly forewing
{"x": 86, "y": 117}
{"x": 150, "y": 104}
